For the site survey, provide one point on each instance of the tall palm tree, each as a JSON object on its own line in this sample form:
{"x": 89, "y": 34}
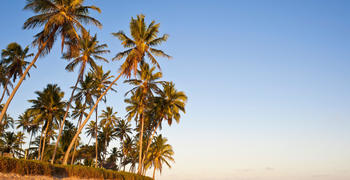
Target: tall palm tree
{"x": 13, "y": 58}
{"x": 145, "y": 38}
{"x": 48, "y": 107}
{"x": 108, "y": 122}
{"x": 101, "y": 81}
{"x": 145, "y": 86}
{"x": 167, "y": 106}
{"x": 57, "y": 18}
{"x": 161, "y": 154}
{"x": 89, "y": 51}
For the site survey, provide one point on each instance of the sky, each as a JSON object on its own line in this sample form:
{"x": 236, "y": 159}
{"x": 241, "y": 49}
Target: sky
{"x": 267, "y": 82}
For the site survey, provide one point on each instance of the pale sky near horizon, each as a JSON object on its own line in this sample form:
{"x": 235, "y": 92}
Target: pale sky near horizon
{"x": 268, "y": 83}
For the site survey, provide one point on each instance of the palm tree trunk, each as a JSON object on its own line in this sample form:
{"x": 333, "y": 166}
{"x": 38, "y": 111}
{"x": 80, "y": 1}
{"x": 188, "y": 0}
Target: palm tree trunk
{"x": 149, "y": 142}
{"x": 96, "y": 143}
{"x": 76, "y": 142}
{"x": 30, "y": 141}
{"x": 88, "y": 117}
{"x": 5, "y": 88}
{"x": 39, "y": 150}
{"x": 65, "y": 115}
{"x": 140, "y": 142}
{"x": 44, "y": 141}
{"x": 3, "y": 112}
{"x": 154, "y": 173}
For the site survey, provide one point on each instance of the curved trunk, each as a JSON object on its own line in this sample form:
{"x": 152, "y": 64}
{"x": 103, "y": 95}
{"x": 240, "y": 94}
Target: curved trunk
{"x": 3, "y": 112}
{"x": 140, "y": 149}
{"x": 96, "y": 143}
{"x": 5, "y": 89}
{"x": 44, "y": 141}
{"x": 87, "y": 118}
{"x": 149, "y": 142}
{"x": 65, "y": 116}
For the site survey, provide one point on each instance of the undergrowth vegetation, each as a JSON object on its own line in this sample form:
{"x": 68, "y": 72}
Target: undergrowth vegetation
{"x": 31, "y": 167}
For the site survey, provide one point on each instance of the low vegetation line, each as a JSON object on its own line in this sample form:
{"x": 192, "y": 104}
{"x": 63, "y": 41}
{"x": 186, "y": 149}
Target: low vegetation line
{"x": 31, "y": 167}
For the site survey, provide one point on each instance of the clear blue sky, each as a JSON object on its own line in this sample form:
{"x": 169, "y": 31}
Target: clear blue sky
{"x": 268, "y": 83}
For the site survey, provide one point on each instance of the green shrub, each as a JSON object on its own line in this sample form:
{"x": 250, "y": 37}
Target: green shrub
{"x": 30, "y": 167}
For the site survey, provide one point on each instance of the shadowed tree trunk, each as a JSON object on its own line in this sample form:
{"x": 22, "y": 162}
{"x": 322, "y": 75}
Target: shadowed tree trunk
{"x": 44, "y": 141}
{"x": 140, "y": 142}
{"x": 96, "y": 142}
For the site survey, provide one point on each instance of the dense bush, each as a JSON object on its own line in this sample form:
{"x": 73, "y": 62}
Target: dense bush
{"x": 30, "y": 167}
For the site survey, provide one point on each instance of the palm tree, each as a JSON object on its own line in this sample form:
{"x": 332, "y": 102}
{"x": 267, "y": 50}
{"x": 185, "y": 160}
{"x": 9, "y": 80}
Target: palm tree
{"x": 8, "y": 121}
{"x": 108, "y": 122}
{"x": 107, "y": 134}
{"x": 91, "y": 130}
{"x": 13, "y": 58}
{"x": 10, "y": 143}
{"x": 145, "y": 85}
{"x": 90, "y": 50}
{"x": 4, "y": 81}
{"x": 167, "y": 106}
{"x": 78, "y": 112}
{"x": 101, "y": 80}
{"x": 57, "y": 18}
{"x": 122, "y": 131}
{"x": 145, "y": 38}
{"x": 48, "y": 108}
{"x": 161, "y": 153}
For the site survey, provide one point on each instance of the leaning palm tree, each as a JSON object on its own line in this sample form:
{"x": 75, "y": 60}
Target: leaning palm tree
{"x": 57, "y": 18}
{"x": 13, "y": 58}
{"x": 48, "y": 108}
{"x": 89, "y": 51}
{"x": 145, "y": 38}
{"x": 161, "y": 154}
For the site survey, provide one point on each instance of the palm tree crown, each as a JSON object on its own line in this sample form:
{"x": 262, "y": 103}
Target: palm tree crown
{"x": 144, "y": 39}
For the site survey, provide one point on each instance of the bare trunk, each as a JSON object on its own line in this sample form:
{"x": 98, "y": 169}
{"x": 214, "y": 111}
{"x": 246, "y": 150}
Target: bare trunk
{"x": 39, "y": 150}
{"x": 30, "y": 141}
{"x": 65, "y": 116}
{"x": 140, "y": 142}
{"x": 5, "y": 88}
{"x": 76, "y": 142}
{"x": 87, "y": 118}
{"x": 154, "y": 173}
{"x": 149, "y": 142}
{"x": 3, "y": 112}
{"x": 96, "y": 143}
{"x": 44, "y": 141}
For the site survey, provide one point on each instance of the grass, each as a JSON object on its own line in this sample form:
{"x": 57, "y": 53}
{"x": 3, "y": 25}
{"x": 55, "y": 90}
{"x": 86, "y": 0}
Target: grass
{"x": 31, "y": 167}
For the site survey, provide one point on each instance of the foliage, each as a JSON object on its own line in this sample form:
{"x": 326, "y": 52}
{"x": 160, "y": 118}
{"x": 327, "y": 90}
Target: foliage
{"x": 31, "y": 167}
